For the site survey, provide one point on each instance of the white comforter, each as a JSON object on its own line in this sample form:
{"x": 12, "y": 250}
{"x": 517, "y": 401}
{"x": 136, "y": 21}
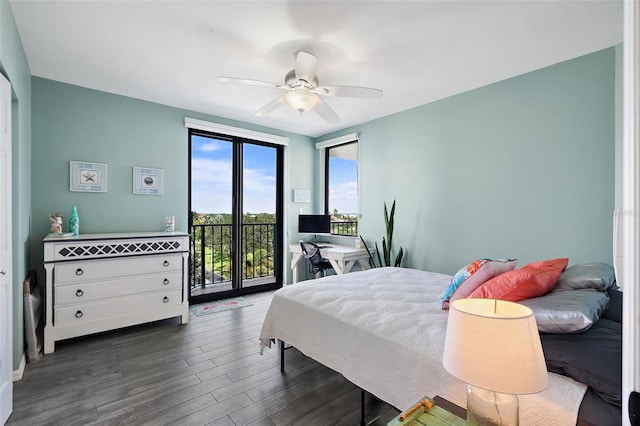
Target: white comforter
{"x": 383, "y": 329}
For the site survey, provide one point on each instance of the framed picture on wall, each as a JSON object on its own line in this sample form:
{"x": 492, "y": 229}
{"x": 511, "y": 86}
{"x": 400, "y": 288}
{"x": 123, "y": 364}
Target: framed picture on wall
{"x": 148, "y": 181}
{"x": 87, "y": 177}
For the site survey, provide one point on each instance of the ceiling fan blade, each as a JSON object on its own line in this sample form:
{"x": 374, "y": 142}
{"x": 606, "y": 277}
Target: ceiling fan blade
{"x": 251, "y": 82}
{"x": 326, "y": 112}
{"x": 349, "y": 92}
{"x": 270, "y": 107}
{"x": 306, "y": 66}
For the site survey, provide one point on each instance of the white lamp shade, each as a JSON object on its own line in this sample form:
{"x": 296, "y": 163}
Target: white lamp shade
{"x": 494, "y": 345}
{"x": 300, "y": 99}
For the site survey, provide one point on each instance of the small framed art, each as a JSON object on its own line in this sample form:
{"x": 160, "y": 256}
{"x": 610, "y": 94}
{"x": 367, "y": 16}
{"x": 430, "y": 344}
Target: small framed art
{"x": 87, "y": 177}
{"x": 301, "y": 196}
{"x": 148, "y": 181}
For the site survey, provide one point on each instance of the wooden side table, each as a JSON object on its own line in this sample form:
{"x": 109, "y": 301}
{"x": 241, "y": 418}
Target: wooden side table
{"x": 435, "y": 411}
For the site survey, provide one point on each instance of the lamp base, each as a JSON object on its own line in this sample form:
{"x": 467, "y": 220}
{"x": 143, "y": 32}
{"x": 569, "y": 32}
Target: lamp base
{"x": 491, "y": 408}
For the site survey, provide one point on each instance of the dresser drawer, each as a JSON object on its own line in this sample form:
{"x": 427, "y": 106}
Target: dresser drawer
{"x": 111, "y": 308}
{"x": 86, "y": 292}
{"x": 93, "y": 270}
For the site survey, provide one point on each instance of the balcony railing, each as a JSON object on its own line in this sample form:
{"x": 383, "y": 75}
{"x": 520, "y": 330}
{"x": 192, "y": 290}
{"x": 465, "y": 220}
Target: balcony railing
{"x": 344, "y": 227}
{"x": 211, "y": 252}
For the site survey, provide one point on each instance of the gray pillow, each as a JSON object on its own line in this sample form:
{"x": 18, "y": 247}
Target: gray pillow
{"x": 598, "y": 276}
{"x": 614, "y": 311}
{"x": 566, "y": 312}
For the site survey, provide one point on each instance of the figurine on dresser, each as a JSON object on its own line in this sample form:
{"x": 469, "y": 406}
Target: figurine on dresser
{"x": 55, "y": 223}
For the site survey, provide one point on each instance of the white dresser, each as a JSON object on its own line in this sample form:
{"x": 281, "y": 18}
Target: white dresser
{"x": 99, "y": 282}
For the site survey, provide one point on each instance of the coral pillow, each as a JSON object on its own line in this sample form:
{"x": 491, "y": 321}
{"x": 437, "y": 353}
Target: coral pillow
{"x": 532, "y": 280}
{"x": 472, "y": 276}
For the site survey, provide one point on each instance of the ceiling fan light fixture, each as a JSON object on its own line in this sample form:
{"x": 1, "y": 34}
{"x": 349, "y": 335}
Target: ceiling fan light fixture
{"x": 303, "y": 91}
{"x": 301, "y": 100}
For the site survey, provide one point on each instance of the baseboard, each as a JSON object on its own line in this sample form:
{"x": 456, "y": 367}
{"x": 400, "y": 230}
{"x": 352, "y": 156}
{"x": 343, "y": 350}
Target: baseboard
{"x": 17, "y": 374}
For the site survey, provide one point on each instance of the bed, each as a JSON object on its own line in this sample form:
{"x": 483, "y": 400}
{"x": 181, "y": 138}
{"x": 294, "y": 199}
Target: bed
{"x": 593, "y": 357}
{"x": 383, "y": 329}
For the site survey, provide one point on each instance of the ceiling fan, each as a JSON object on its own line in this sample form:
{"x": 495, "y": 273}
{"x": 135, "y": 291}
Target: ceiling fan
{"x": 303, "y": 90}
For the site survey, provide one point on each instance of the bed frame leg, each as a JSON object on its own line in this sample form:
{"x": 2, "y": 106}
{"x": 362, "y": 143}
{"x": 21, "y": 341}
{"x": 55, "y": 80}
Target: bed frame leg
{"x": 363, "y": 422}
{"x": 281, "y": 356}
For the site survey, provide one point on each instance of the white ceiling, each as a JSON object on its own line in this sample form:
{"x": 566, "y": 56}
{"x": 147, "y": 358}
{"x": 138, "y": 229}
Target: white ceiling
{"x": 171, "y": 52}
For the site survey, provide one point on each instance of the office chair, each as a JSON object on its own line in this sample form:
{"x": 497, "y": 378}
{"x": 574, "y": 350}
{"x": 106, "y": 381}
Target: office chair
{"x": 317, "y": 264}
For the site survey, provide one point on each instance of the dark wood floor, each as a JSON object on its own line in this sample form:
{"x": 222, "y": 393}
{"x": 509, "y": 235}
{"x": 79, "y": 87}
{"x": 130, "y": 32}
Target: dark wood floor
{"x": 208, "y": 372}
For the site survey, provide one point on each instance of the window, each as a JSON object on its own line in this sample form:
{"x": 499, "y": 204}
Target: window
{"x": 235, "y": 205}
{"x": 341, "y": 187}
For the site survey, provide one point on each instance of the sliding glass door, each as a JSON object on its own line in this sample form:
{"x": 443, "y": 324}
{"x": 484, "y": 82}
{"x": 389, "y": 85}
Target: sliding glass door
{"x": 235, "y": 204}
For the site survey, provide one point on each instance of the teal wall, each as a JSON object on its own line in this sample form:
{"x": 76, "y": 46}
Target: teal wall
{"x": 14, "y": 66}
{"x": 74, "y": 123}
{"x": 523, "y": 168}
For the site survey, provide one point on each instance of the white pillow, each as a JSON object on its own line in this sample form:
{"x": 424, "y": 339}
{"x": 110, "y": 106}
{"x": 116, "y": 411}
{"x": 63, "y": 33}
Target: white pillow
{"x": 566, "y": 312}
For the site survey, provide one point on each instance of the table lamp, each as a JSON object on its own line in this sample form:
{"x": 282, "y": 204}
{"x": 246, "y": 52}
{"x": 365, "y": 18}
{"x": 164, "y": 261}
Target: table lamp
{"x": 494, "y": 347}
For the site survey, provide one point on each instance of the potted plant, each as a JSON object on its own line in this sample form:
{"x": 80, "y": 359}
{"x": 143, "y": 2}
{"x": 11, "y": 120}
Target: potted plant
{"x": 385, "y": 258}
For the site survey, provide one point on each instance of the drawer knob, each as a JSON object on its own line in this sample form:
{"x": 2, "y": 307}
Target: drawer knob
{"x": 165, "y": 281}
{"x": 165, "y": 299}
{"x": 79, "y": 293}
{"x": 165, "y": 263}
{"x": 79, "y": 314}
{"x": 79, "y": 271}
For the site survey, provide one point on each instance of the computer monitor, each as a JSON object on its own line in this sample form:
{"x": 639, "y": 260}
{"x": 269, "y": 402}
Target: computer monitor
{"x": 314, "y": 224}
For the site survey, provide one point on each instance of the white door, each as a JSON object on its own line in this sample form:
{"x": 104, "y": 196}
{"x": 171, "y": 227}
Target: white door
{"x": 6, "y": 273}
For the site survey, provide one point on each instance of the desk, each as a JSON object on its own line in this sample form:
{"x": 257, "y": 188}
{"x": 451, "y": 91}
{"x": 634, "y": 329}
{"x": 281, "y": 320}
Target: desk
{"x": 342, "y": 258}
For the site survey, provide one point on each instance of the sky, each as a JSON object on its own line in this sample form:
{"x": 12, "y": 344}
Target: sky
{"x": 343, "y": 185}
{"x": 211, "y": 179}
